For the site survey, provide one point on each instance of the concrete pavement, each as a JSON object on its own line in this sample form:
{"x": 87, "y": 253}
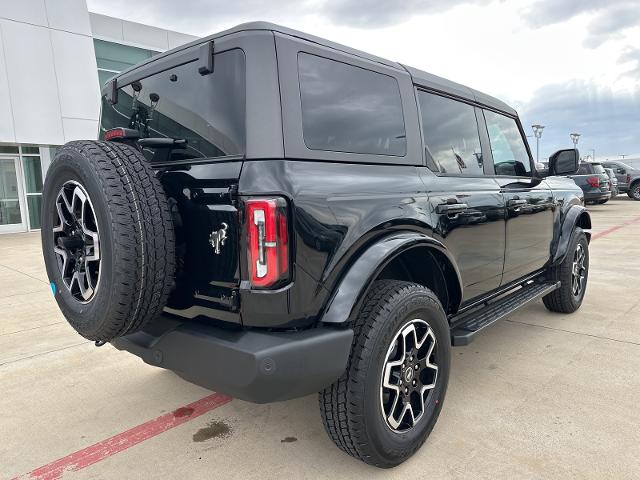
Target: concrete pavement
{"x": 539, "y": 395}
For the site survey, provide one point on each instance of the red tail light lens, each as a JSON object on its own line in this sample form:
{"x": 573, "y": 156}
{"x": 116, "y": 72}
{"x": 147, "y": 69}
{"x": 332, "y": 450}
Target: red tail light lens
{"x": 628, "y": 178}
{"x": 594, "y": 181}
{"x": 268, "y": 241}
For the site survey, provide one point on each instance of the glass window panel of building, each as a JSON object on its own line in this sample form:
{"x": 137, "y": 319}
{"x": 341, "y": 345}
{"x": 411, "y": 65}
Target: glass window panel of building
{"x": 113, "y": 58}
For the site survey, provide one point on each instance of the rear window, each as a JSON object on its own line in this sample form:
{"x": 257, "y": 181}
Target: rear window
{"x": 349, "y": 109}
{"x": 207, "y": 111}
{"x": 598, "y": 169}
{"x": 583, "y": 169}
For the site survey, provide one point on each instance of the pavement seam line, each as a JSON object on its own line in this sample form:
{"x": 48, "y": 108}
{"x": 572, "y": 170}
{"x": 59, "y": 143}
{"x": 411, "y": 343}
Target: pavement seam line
{"x": 32, "y": 328}
{"x": 44, "y": 353}
{"x": 23, "y": 273}
{"x": 574, "y": 333}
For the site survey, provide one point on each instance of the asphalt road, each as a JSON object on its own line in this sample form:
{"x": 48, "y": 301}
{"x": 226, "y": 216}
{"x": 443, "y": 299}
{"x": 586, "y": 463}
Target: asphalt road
{"x": 538, "y": 395}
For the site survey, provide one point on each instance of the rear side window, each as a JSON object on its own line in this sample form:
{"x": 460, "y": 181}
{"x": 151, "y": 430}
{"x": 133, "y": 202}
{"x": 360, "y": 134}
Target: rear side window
{"x": 450, "y": 132}
{"x": 510, "y": 156}
{"x": 598, "y": 168}
{"x": 349, "y": 109}
{"x": 208, "y": 111}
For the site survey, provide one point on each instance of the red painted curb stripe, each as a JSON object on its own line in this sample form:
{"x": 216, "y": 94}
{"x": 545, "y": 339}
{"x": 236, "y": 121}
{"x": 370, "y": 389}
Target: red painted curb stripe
{"x": 122, "y": 441}
{"x": 606, "y": 232}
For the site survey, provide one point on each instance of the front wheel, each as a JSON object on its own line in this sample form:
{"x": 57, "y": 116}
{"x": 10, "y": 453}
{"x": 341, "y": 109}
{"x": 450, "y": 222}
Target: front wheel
{"x": 572, "y": 274}
{"x": 388, "y": 400}
{"x": 634, "y": 191}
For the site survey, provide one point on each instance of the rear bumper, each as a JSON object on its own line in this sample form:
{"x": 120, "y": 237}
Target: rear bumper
{"x": 256, "y": 366}
{"x": 595, "y": 196}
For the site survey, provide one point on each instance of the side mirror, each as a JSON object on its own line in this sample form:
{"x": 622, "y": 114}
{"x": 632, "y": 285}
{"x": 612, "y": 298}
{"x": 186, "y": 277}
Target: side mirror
{"x": 564, "y": 162}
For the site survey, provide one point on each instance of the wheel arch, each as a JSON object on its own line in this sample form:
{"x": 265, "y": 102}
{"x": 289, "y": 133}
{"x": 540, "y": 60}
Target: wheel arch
{"x": 576, "y": 216}
{"x": 407, "y": 256}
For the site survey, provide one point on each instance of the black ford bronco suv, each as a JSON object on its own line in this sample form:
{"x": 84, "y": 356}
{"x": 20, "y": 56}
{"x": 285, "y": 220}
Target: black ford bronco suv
{"x": 270, "y": 215}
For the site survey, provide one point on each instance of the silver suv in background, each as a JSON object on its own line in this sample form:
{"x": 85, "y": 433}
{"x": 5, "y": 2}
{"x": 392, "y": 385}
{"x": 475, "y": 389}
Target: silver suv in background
{"x": 628, "y": 178}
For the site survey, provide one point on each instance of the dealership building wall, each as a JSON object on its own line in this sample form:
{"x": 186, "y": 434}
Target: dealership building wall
{"x": 54, "y": 55}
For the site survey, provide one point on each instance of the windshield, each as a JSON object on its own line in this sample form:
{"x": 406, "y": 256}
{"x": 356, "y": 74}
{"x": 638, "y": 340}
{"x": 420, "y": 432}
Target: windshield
{"x": 205, "y": 112}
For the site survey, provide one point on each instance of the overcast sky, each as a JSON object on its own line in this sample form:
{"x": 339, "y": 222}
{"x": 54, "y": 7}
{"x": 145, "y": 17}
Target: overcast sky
{"x": 571, "y": 65}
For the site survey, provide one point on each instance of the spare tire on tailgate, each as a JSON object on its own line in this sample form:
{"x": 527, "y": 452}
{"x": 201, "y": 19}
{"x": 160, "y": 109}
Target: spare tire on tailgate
{"x": 107, "y": 238}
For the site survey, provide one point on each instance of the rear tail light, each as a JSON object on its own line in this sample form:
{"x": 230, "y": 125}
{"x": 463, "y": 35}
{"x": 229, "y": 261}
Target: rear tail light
{"x": 267, "y": 241}
{"x": 594, "y": 181}
{"x": 121, "y": 134}
{"x": 628, "y": 178}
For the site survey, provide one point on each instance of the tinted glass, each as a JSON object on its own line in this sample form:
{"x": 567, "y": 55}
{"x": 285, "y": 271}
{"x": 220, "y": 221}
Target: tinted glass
{"x": 450, "y": 132}
{"x": 32, "y": 174}
{"x": 510, "y": 156}
{"x": 349, "y": 109}
{"x": 207, "y": 111}
{"x": 583, "y": 169}
{"x": 598, "y": 168}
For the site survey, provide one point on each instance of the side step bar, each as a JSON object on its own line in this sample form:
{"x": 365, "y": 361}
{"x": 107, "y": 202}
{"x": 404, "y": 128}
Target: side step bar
{"x": 465, "y": 327}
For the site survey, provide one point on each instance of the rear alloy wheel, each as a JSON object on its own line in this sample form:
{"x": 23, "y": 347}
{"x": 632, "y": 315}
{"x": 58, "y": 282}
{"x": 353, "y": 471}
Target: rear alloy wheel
{"x": 409, "y": 376}
{"x": 382, "y": 409}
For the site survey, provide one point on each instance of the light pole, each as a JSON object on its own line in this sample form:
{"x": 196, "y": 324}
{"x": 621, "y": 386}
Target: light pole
{"x": 593, "y": 154}
{"x": 537, "y": 131}
{"x": 574, "y": 138}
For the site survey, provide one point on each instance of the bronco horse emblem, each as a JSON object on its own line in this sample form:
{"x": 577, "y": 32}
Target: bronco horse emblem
{"x": 218, "y": 237}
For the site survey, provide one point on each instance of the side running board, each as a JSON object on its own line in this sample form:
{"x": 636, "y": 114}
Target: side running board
{"x": 467, "y": 325}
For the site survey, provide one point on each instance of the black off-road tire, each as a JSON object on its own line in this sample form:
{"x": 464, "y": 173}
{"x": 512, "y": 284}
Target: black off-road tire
{"x": 351, "y": 409}
{"x": 137, "y": 245}
{"x": 563, "y": 299}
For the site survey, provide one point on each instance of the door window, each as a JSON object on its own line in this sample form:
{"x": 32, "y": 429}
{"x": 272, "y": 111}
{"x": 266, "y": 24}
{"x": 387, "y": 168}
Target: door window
{"x": 450, "y": 132}
{"x": 510, "y": 155}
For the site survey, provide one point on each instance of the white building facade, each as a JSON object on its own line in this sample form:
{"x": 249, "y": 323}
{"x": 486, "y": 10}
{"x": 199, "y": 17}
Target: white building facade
{"x": 54, "y": 55}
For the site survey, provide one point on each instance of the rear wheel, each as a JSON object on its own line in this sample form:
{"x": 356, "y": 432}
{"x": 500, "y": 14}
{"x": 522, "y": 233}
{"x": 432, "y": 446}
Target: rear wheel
{"x": 572, "y": 274}
{"x": 388, "y": 400}
{"x": 107, "y": 238}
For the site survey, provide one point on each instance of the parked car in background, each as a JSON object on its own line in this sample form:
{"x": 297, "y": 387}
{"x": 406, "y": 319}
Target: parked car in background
{"x": 628, "y": 178}
{"x": 614, "y": 181}
{"x": 594, "y": 182}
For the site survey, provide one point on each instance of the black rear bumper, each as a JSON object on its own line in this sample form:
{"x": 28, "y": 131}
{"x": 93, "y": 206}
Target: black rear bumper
{"x": 256, "y": 366}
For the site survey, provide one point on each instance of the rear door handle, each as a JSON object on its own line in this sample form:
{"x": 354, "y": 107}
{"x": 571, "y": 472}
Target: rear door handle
{"x": 516, "y": 202}
{"x": 451, "y": 208}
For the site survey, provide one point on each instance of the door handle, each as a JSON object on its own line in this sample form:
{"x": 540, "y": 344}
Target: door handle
{"x": 516, "y": 202}
{"x": 451, "y": 208}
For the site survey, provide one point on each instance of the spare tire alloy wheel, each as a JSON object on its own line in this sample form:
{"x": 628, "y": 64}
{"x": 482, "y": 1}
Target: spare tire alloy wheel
{"x": 409, "y": 376}
{"x": 76, "y": 241}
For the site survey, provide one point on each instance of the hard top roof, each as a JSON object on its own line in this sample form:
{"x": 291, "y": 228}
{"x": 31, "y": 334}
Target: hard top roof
{"x": 420, "y": 77}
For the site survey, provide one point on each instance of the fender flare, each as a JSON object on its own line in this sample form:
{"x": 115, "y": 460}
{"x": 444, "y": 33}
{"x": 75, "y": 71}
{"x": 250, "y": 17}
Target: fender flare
{"x": 575, "y": 215}
{"x": 356, "y": 282}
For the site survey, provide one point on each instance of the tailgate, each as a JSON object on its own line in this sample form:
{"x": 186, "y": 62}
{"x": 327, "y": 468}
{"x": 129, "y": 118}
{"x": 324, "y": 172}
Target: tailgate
{"x": 204, "y": 207}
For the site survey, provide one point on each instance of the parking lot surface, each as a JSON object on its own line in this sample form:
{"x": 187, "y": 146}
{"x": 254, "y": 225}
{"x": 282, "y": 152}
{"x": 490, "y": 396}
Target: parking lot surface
{"x": 539, "y": 395}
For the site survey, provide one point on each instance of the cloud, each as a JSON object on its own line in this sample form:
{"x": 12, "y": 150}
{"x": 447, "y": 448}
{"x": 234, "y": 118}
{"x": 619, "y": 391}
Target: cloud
{"x": 610, "y": 18}
{"x": 603, "y": 117}
{"x": 200, "y": 16}
{"x": 381, "y": 13}
{"x": 631, "y": 55}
